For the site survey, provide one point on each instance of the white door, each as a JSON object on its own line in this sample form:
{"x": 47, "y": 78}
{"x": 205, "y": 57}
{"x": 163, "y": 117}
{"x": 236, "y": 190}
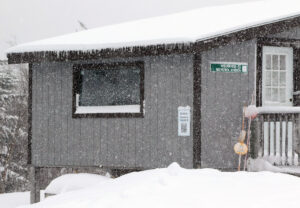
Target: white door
{"x": 277, "y": 76}
{"x": 277, "y": 90}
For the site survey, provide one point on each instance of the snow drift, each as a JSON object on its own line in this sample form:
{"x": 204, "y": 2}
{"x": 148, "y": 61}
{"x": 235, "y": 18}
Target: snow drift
{"x": 72, "y": 182}
{"x": 177, "y": 187}
{"x": 12, "y": 200}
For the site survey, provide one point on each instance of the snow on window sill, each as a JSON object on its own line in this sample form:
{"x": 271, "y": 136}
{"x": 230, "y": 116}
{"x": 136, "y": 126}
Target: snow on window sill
{"x": 108, "y": 109}
{"x": 278, "y": 109}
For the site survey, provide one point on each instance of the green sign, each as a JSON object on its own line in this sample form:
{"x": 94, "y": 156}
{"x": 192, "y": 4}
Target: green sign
{"x": 228, "y": 67}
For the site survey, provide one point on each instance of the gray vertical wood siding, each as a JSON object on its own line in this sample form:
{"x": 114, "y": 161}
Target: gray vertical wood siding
{"x": 222, "y": 98}
{"x": 152, "y": 141}
{"x": 223, "y": 95}
{"x": 293, "y": 33}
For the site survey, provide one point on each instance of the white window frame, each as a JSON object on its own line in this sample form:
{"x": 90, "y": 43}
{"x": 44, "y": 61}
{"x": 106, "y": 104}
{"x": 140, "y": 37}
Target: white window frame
{"x": 288, "y": 51}
{"x": 135, "y": 110}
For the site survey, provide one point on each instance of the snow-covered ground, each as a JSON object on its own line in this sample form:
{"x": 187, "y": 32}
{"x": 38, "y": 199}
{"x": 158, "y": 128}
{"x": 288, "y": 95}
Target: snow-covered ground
{"x": 72, "y": 182}
{"x": 178, "y": 187}
{"x": 13, "y": 200}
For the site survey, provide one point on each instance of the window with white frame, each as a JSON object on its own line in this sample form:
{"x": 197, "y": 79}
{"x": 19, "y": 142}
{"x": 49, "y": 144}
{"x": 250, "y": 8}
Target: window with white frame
{"x": 277, "y": 76}
{"x": 108, "y": 89}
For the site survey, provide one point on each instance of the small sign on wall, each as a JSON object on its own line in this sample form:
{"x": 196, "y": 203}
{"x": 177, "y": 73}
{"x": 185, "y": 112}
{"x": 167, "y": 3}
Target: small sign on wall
{"x": 184, "y": 121}
{"x": 229, "y": 67}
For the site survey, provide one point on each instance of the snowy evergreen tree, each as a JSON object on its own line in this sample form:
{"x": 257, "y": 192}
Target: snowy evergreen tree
{"x": 13, "y": 132}
{"x": 7, "y": 81}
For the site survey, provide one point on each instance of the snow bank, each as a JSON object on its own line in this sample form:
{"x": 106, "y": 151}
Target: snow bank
{"x": 12, "y": 200}
{"x": 261, "y": 164}
{"x": 264, "y": 164}
{"x": 177, "y": 187}
{"x": 71, "y": 182}
{"x": 184, "y": 27}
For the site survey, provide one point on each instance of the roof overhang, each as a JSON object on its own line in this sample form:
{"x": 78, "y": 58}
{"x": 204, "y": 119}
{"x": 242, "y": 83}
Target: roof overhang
{"x": 160, "y": 49}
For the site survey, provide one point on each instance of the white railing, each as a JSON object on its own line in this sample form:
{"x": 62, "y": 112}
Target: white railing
{"x": 278, "y": 136}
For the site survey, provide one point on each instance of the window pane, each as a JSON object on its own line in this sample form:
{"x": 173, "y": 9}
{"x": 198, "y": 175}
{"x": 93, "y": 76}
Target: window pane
{"x": 275, "y": 78}
{"x": 268, "y": 78}
{"x": 275, "y": 62}
{"x": 268, "y": 62}
{"x": 282, "y": 79}
{"x": 274, "y": 94}
{"x": 268, "y": 94}
{"x": 282, "y": 62}
{"x": 282, "y": 95}
{"x": 110, "y": 87}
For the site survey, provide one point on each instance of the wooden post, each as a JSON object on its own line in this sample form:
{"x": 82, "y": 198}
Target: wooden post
{"x": 255, "y": 148}
{"x": 262, "y": 144}
{"x": 257, "y": 139}
{"x": 34, "y": 184}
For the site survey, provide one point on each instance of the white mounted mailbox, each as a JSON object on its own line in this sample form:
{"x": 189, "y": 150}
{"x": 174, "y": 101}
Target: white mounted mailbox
{"x": 184, "y": 121}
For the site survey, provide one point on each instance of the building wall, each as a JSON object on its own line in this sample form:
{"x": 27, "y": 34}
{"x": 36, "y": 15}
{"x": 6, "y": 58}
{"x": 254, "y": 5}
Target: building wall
{"x": 293, "y": 33}
{"x": 152, "y": 141}
{"x": 223, "y": 95}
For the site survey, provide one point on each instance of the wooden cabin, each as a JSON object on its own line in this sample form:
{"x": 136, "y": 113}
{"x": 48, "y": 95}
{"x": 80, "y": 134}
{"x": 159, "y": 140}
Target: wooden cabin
{"x": 146, "y": 93}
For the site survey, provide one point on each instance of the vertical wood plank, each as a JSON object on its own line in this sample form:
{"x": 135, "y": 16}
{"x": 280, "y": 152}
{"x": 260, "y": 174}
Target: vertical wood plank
{"x": 97, "y": 141}
{"x": 153, "y": 101}
{"x": 132, "y": 142}
{"x": 161, "y": 111}
{"x": 176, "y": 86}
{"x": 58, "y": 115}
{"x": 186, "y": 79}
{"x": 110, "y": 140}
{"x": 104, "y": 140}
{"x": 64, "y": 115}
{"x": 209, "y": 98}
{"x": 124, "y": 142}
{"x": 44, "y": 121}
{"x": 147, "y": 111}
{"x": 168, "y": 113}
{"x": 51, "y": 114}
{"x": 72, "y": 155}
{"x": 34, "y": 115}
{"x": 38, "y": 112}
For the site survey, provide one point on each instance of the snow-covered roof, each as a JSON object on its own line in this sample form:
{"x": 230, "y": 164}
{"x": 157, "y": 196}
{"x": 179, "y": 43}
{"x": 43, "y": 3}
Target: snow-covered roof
{"x": 184, "y": 27}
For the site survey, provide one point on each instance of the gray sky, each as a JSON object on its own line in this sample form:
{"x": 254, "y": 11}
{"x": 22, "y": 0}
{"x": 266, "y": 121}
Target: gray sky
{"x": 28, "y": 20}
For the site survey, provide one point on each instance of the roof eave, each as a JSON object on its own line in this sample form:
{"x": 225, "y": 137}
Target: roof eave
{"x": 248, "y": 33}
{"x": 65, "y": 56}
{"x": 162, "y": 49}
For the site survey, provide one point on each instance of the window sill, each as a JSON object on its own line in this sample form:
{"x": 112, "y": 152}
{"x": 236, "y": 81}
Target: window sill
{"x": 108, "y": 109}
